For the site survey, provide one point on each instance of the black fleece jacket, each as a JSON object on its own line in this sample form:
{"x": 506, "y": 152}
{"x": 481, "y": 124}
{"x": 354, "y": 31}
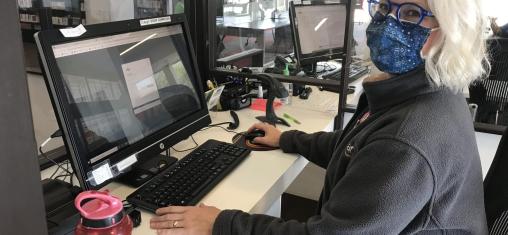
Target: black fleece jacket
{"x": 411, "y": 168}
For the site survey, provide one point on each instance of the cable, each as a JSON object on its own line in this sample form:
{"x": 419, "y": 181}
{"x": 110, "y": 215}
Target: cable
{"x": 195, "y": 142}
{"x": 72, "y": 176}
{"x": 59, "y": 166}
{"x": 66, "y": 169}
{"x": 203, "y": 129}
{"x": 68, "y": 174}
{"x": 182, "y": 151}
{"x": 217, "y": 125}
{"x": 54, "y": 173}
{"x": 189, "y": 149}
{"x": 62, "y": 174}
{"x": 56, "y": 134}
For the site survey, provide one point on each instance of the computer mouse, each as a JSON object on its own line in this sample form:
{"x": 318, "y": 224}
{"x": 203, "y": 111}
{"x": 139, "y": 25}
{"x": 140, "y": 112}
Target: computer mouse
{"x": 244, "y": 139}
{"x": 253, "y": 134}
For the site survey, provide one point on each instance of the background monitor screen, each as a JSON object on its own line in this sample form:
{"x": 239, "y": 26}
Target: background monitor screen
{"x": 125, "y": 87}
{"x": 319, "y": 30}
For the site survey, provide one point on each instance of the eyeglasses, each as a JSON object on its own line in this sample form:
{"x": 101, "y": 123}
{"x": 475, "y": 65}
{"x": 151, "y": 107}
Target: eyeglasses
{"x": 406, "y": 12}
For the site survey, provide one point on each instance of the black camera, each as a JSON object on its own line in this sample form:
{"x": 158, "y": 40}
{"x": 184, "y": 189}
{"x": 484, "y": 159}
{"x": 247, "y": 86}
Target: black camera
{"x": 235, "y": 97}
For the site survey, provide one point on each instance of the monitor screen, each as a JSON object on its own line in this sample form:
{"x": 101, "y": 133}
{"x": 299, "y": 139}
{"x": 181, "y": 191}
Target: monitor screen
{"x": 125, "y": 87}
{"x": 319, "y": 30}
{"x": 119, "y": 94}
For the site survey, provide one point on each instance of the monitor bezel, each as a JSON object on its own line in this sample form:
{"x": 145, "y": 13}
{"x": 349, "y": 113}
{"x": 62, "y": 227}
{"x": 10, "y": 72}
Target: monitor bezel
{"x": 312, "y": 58}
{"x": 149, "y": 146}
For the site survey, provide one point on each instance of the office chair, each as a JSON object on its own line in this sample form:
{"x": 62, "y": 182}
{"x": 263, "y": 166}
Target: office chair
{"x": 496, "y": 190}
{"x": 491, "y": 94}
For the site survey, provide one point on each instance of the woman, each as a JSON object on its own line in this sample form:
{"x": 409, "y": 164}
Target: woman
{"x": 407, "y": 162}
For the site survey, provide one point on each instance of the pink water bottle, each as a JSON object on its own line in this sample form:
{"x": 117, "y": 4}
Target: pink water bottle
{"x": 102, "y": 215}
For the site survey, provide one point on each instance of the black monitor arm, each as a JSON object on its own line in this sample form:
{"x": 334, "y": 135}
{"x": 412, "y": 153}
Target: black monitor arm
{"x": 275, "y": 89}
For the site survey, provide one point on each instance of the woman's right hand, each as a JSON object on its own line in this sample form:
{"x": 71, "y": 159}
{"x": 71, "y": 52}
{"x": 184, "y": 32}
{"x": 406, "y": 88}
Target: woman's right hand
{"x": 272, "y": 134}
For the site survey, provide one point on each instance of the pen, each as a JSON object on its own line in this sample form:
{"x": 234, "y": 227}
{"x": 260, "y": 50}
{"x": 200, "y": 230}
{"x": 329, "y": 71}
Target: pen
{"x": 291, "y": 118}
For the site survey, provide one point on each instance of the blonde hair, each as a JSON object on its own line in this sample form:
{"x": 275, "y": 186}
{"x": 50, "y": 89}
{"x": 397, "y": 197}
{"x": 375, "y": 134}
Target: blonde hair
{"x": 459, "y": 55}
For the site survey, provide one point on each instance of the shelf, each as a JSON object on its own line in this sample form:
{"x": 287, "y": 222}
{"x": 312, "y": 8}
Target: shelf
{"x": 60, "y": 18}
{"x": 34, "y": 11}
{"x": 28, "y": 11}
{"x": 149, "y": 8}
{"x": 29, "y": 22}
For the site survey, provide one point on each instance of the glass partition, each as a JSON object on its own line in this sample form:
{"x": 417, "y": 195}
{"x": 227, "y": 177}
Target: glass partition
{"x": 100, "y": 11}
{"x": 40, "y": 14}
{"x": 252, "y": 32}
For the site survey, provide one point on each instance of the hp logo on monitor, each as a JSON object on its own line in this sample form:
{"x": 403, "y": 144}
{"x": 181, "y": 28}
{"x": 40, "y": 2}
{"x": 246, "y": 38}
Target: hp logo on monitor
{"x": 161, "y": 146}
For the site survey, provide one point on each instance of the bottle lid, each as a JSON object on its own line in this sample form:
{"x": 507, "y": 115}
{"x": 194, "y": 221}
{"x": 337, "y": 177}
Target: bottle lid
{"x": 101, "y": 209}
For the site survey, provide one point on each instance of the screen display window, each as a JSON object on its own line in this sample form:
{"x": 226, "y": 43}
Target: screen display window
{"x": 320, "y": 27}
{"x": 125, "y": 87}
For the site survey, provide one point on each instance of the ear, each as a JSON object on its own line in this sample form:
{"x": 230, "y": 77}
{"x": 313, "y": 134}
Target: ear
{"x": 431, "y": 41}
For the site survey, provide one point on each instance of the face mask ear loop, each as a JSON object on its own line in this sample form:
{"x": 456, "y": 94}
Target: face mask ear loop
{"x": 424, "y": 57}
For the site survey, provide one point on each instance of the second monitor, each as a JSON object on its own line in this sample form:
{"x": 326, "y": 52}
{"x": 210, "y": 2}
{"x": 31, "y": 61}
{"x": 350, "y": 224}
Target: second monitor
{"x": 318, "y": 32}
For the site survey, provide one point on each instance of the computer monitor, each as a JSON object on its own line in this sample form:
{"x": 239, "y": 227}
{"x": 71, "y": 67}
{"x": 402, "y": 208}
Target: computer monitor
{"x": 318, "y": 30}
{"x": 123, "y": 92}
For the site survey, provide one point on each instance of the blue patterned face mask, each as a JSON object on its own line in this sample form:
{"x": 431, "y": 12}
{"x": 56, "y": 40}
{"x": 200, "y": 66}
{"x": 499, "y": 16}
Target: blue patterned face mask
{"x": 395, "y": 48}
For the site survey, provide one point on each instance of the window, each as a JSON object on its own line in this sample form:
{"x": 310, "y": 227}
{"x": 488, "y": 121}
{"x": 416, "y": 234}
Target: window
{"x": 497, "y": 9}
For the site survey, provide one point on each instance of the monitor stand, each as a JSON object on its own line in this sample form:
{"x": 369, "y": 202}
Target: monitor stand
{"x": 146, "y": 170}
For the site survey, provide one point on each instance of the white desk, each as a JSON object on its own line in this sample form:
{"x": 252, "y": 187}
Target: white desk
{"x": 257, "y": 184}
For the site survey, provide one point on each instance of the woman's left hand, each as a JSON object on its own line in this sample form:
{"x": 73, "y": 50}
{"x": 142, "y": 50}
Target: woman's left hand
{"x": 191, "y": 220}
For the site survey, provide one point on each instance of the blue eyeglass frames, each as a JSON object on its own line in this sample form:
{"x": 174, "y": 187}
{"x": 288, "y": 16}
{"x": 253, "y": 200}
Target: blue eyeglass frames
{"x": 406, "y": 12}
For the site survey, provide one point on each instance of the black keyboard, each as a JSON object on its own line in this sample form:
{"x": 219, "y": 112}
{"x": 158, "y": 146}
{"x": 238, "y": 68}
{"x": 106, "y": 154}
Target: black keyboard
{"x": 190, "y": 179}
{"x": 355, "y": 72}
